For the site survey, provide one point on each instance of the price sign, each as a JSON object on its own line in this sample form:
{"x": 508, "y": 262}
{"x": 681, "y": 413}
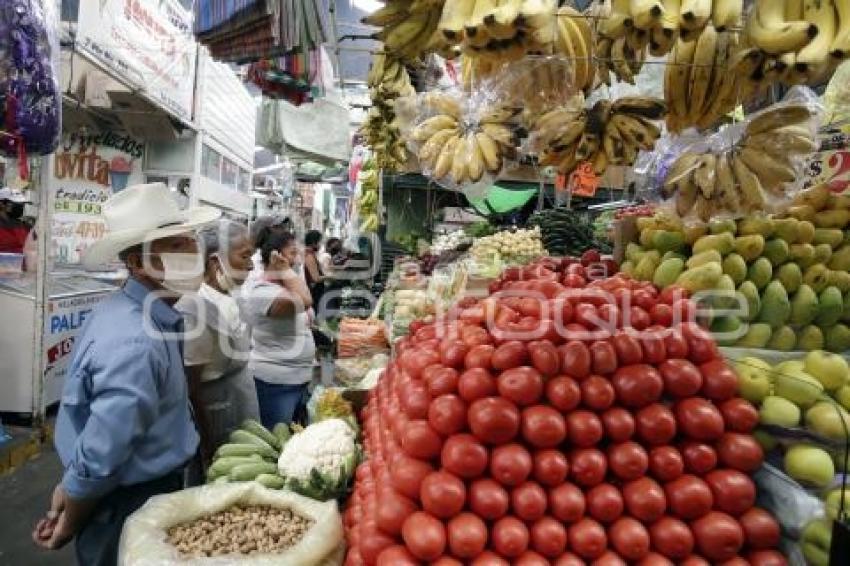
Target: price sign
{"x": 584, "y": 180}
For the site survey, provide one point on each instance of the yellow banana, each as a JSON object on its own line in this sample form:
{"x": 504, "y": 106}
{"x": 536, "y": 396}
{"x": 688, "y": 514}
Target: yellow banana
{"x": 580, "y": 36}
{"x": 500, "y": 133}
{"x": 726, "y": 13}
{"x": 646, "y": 13}
{"x": 701, "y": 72}
{"x": 475, "y": 160}
{"x": 620, "y": 62}
{"x": 767, "y": 29}
{"x": 694, "y": 14}
{"x": 724, "y": 183}
{"x": 840, "y": 47}
{"x": 444, "y": 162}
{"x": 490, "y": 152}
{"x": 813, "y": 58}
{"x": 679, "y": 77}
{"x": 616, "y": 22}
{"x": 432, "y": 125}
{"x": 751, "y": 193}
{"x": 454, "y": 16}
{"x": 430, "y": 150}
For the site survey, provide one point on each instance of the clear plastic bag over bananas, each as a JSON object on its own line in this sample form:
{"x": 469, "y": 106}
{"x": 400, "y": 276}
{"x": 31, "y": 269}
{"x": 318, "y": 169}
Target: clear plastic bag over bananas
{"x": 462, "y": 146}
{"x": 407, "y": 26}
{"x": 607, "y": 134}
{"x": 388, "y": 81}
{"x": 750, "y": 176}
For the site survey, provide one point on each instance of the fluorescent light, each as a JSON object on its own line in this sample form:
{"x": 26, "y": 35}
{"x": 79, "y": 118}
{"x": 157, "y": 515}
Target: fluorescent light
{"x": 610, "y": 205}
{"x": 367, "y": 6}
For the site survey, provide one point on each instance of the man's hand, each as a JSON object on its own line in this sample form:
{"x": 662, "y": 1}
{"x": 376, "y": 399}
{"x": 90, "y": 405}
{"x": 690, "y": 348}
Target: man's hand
{"x": 53, "y": 531}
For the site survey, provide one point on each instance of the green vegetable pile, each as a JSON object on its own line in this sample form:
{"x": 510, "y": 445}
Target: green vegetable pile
{"x": 251, "y": 455}
{"x": 564, "y": 232}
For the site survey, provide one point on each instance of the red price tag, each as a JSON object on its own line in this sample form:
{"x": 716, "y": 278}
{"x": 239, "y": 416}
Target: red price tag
{"x": 584, "y": 180}
{"x": 561, "y": 182}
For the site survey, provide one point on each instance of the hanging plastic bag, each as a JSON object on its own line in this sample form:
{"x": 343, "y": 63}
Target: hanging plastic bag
{"x": 144, "y": 538}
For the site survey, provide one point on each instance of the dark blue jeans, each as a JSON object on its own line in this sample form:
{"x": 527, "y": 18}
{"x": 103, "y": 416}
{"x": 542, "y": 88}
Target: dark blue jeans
{"x": 279, "y": 403}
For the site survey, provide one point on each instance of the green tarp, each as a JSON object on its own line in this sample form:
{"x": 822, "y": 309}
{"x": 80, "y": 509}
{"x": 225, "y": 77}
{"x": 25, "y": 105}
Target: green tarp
{"x": 499, "y": 200}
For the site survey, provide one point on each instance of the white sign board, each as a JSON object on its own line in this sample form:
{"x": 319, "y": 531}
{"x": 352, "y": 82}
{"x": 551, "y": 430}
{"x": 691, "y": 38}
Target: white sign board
{"x": 148, "y": 42}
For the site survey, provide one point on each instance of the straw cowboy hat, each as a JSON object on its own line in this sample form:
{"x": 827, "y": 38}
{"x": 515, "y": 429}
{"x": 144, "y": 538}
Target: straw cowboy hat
{"x": 142, "y": 213}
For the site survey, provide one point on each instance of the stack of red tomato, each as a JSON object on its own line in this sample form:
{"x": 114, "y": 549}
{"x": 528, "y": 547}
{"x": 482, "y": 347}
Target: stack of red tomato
{"x": 617, "y": 447}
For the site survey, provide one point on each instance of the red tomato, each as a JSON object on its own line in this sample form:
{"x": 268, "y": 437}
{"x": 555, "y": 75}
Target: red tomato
{"x": 567, "y": 503}
{"x": 467, "y": 535}
{"x": 662, "y": 314}
{"x": 628, "y": 349}
{"x": 543, "y": 426}
{"x": 563, "y": 393}
{"x": 628, "y": 460}
{"x": 629, "y": 538}
{"x": 720, "y": 382}
{"x": 603, "y": 356}
{"x": 609, "y": 558}
{"x": 734, "y": 492}
{"x": 488, "y": 499}
{"x": 568, "y": 559}
{"x": 672, "y": 538}
{"x": 639, "y": 319}
{"x": 446, "y": 561}
{"x": 575, "y": 359}
{"x": 442, "y": 382}
{"x": 702, "y": 348}
{"x": 597, "y": 393}
{"x": 584, "y": 428}
{"x": 510, "y": 537}
{"x": 393, "y": 509}
{"x": 644, "y": 499}
{"x": 528, "y": 501}
{"x": 666, "y": 463}
{"x": 588, "y": 466}
{"x": 406, "y": 475}
{"x": 604, "y": 503}
{"x": 688, "y": 497}
{"x": 530, "y": 558}
{"x": 681, "y": 378}
{"x": 479, "y": 356}
{"x": 587, "y": 539}
{"x": 740, "y": 452}
{"x": 509, "y": 355}
{"x": 550, "y": 467}
{"x": 414, "y": 399}
{"x": 424, "y": 536}
{"x": 767, "y": 558}
{"x": 574, "y": 281}
{"x": 739, "y": 415}
{"x": 637, "y": 385}
{"x": 493, "y": 420}
{"x": 545, "y": 358}
{"x": 414, "y": 361}
{"x": 447, "y": 414}
{"x": 675, "y": 344}
{"x": 619, "y": 424}
{"x": 656, "y": 424}
{"x": 476, "y": 383}
{"x": 548, "y": 537}
{"x": 488, "y": 558}
{"x": 654, "y": 559}
{"x": 419, "y": 440}
{"x": 671, "y": 294}
{"x": 396, "y": 555}
{"x": 699, "y": 458}
{"x": 442, "y": 494}
{"x": 529, "y": 306}
{"x": 699, "y": 419}
{"x": 464, "y": 456}
{"x": 453, "y": 353}
{"x": 761, "y": 531}
{"x": 718, "y": 536}
{"x": 694, "y": 560}
{"x": 510, "y": 464}
{"x": 521, "y": 385}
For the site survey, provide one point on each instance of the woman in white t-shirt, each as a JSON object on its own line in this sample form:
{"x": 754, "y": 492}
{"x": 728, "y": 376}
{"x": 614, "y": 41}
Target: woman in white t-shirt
{"x": 217, "y": 341}
{"x": 276, "y": 306}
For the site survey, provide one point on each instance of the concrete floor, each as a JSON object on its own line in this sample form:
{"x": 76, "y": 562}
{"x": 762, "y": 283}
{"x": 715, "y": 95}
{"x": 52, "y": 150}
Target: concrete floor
{"x": 24, "y": 498}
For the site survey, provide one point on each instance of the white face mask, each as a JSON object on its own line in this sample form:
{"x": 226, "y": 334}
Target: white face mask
{"x": 224, "y": 278}
{"x": 183, "y": 272}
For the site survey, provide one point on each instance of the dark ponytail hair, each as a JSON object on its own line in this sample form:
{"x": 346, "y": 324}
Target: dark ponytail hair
{"x": 270, "y": 239}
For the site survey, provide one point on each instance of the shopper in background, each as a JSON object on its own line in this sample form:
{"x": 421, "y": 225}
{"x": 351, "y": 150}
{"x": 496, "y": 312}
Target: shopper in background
{"x": 218, "y": 342}
{"x": 258, "y": 227}
{"x": 313, "y": 274}
{"x": 282, "y": 346}
{"x": 124, "y": 430}
{"x": 13, "y": 231}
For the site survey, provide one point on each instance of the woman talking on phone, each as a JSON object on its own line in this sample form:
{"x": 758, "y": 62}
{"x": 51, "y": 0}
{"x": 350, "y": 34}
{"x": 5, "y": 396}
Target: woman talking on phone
{"x": 282, "y": 347}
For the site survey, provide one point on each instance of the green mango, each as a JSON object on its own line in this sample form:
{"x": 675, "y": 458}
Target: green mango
{"x": 756, "y": 224}
{"x": 783, "y": 339}
{"x": 804, "y": 306}
{"x": 786, "y": 229}
{"x": 725, "y": 298}
{"x": 810, "y": 338}
{"x": 701, "y": 278}
{"x": 645, "y": 268}
{"x": 790, "y": 275}
{"x": 751, "y": 294}
{"x": 830, "y": 236}
{"x": 665, "y": 241}
{"x": 823, "y": 253}
{"x": 627, "y": 267}
{"x": 702, "y": 258}
{"x": 803, "y": 254}
{"x": 775, "y": 306}
{"x": 671, "y": 255}
{"x": 757, "y": 336}
{"x": 729, "y": 325}
{"x": 723, "y": 243}
{"x": 760, "y": 272}
{"x": 816, "y": 277}
{"x": 634, "y": 252}
{"x": 805, "y": 232}
{"x": 776, "y": 251}
{"x": 845, "y": 314}
{"x": 720, "y": 226}
{"x": 840, "y": 279}
{"x": 840, "y": 260}
{"x": 828, "y": 419}
{"x": 735, "y": 267}
{"x": 837, "y": 338}
{"x": 749, "y": 247}
{"x": 667, "y": 273}
{"x": 830, "y": 307}
{"x": 798, "y": 387}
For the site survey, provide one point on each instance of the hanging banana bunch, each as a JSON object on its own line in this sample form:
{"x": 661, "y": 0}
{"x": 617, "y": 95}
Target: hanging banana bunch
{"x": 388, "y": 81}
{"x": 463, "y": 148}
{"x": 607, "y": 134}
{"x": 407, "y": 26}
{"x": 746, "y": 177}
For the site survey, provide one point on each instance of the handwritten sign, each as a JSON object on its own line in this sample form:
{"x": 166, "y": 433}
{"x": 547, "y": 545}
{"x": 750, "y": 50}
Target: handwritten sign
{"x": 584, "y": 180}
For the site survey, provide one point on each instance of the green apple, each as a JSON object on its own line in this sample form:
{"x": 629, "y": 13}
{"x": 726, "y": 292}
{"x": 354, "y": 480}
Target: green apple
{"x": 797, "y": 386}
{"x": 753, "y": 378}
{"x": 828, "y": 368}
{"x": 828, "y": 419}
{"x": 789, "y": 366}
{"x": 778, "y": 411}
{"x": 843, "y": 396}
{"x": 816, "y": 540}
{"x": 809, "y": 465}
{"x": 832, "y": 502}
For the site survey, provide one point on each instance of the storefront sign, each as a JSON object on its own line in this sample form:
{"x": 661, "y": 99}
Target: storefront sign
{"x": 65, "y": 318}
{"x": 149, "y": 42}
{"x": 88, "y": 169}
{"x": 831, "y": 165}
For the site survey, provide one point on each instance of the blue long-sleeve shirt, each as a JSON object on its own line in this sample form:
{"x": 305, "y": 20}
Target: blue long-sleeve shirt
{"x": 124, "y": 416}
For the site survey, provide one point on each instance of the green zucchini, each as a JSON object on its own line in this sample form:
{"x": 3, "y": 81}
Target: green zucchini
{"x": 222, "y": 466}
{"x": 226, "y": 450}
{"x": 282, "y": 432}
{"x": 258, "y": 430}
{"x": 244, "y": 437}
{"x": 271, "y": 481}
{"x": 247, "y": 472}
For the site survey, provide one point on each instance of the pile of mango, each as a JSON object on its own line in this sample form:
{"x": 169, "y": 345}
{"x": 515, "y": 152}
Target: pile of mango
{"x": 790, "y": 270}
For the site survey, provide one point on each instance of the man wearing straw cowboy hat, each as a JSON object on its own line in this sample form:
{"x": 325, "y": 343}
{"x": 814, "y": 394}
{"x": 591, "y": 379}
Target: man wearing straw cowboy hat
{"x": 124, "y": 430}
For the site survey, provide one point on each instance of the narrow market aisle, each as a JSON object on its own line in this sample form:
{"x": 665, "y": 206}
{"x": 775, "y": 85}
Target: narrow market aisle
{"x": 24, "y": 495}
